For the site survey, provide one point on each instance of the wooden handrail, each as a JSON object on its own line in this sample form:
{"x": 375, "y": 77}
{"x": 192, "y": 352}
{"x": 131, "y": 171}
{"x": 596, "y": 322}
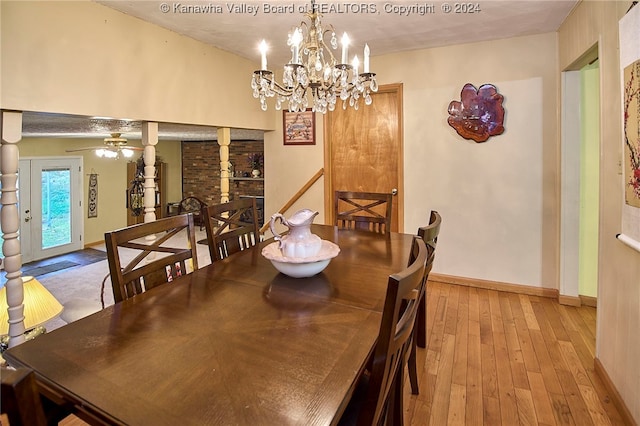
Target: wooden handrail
{"x": 296, "y": 196}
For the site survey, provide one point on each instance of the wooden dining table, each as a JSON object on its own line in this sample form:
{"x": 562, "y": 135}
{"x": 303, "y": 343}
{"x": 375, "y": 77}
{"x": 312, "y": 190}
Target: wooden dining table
{"x": 233, "y": 343}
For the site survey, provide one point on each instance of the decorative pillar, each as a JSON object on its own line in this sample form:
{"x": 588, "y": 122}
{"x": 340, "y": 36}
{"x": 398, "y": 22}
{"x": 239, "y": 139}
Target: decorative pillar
{"x": 149, "y": 141}
{"x": 224, "y": 140}
{"x": 11, "y": 128}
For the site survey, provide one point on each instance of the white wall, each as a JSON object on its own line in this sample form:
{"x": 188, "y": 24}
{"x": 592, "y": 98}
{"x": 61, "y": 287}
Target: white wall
{"x": 498, "y": 198}
{"x": 485, "y": 192}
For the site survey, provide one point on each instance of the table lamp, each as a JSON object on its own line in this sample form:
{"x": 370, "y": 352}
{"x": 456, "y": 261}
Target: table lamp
{"x": 39, "y": 307}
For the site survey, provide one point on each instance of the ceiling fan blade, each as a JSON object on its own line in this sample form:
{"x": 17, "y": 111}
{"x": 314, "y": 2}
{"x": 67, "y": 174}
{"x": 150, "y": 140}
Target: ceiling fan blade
{"x": 89, "y": 148}
{"x": 132, "y": 148}
{"x": 93, "y": 148}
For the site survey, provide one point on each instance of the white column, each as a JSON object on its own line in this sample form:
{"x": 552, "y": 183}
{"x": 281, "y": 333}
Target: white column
{"x": 224, "y": 140}
{"x": 149, "y": 141}
{"x": 11, "y": 128}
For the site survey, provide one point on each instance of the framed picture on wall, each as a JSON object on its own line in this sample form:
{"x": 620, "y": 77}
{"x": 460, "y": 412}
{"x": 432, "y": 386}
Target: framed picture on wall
{"x": 299, "y": 128}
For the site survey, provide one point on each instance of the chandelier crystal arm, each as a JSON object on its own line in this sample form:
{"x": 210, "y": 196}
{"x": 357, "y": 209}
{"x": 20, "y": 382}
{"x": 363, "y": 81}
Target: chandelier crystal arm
{"x": 314, "y": 72}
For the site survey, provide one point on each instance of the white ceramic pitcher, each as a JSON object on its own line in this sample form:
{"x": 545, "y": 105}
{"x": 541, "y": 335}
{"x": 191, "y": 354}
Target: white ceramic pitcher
{"x": 299, "y": 242}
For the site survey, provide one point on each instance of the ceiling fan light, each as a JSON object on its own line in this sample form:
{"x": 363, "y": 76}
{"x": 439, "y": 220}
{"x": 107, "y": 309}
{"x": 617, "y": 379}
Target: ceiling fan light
{"x": 128, "y": 153}
{"x": 110, "y": 154}
{"x": 100, "y": 152}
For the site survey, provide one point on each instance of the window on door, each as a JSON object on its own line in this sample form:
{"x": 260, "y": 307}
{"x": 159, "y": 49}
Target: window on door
{"x": 56, "y": 207}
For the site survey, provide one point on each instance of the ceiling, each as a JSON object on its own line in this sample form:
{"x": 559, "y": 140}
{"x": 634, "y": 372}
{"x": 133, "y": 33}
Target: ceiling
{"x": 44, "y": 125}
{"x": 378, "y": 23}
{"x": 391, "y": 26}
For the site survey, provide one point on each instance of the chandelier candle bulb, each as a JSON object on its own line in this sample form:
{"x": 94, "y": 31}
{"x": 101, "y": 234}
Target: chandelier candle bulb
{"x": 263, "y": 53}
{"x": 356, "y": 64}
{"x": 295, "y": 41}
{"x": 345, "y": 48}
{"x": 366, "y": 58}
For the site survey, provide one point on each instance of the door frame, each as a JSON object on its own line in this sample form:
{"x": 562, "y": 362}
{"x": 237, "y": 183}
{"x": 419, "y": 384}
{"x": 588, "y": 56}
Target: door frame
{"x": 571, "y": 162}
{"x": 31, "y": 237}
{"x": 328, "y": 162}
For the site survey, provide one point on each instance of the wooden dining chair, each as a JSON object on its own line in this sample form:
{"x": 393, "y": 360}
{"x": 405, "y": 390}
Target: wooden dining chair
{"x": 430, "y": 232}
{"x": 378, "y": 397}
{"x": 194, "y": 206}
{"x": 369, "y": 211}
{"x": 429, "y": 235}
{"x": 231, "y": 227}
{"x": 20, "y": 399}
{"x": 160, "y": 251}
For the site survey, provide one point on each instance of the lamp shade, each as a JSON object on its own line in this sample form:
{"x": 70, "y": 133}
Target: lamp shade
{"x": 39, "y": 305}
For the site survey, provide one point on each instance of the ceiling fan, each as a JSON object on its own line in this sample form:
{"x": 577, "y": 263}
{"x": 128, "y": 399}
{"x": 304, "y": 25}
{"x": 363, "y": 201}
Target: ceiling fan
{"x": 113, "y": 147}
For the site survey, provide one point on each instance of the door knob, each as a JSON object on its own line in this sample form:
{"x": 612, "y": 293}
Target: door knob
{"x": 394, "y": 191}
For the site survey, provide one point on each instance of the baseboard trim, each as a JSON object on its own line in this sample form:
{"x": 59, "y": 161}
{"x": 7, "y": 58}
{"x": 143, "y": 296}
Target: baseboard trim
{"x": 93, "y": 244}
{"x": 589, "y": 301}
{"x": 495, "y": 285}
{"x": 613, "y": 393}
{"x": 569, "y": 300}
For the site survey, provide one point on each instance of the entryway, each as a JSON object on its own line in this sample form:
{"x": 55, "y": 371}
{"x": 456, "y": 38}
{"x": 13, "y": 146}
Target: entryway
{"x": 580, "y": 181}
{"x": 50, "y": 206}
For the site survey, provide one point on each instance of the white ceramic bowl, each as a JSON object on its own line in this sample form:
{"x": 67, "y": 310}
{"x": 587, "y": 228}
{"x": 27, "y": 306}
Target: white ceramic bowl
{"x": 301, "y": 267}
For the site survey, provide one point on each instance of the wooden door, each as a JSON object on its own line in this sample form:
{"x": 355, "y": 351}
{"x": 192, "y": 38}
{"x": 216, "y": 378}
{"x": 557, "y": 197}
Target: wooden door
{"x": 363, "y": 150}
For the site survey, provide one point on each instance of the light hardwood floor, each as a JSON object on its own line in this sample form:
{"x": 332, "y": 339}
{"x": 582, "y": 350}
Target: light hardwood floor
{"x": 498, "y": 358}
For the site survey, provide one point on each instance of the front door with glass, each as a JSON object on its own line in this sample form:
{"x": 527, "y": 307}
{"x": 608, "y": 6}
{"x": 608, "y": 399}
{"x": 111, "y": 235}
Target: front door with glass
{"x": 49, "y": 201}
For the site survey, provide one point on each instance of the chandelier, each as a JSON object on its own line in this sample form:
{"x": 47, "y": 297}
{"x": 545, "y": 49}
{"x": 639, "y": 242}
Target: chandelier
{"x": 314, "y": 69}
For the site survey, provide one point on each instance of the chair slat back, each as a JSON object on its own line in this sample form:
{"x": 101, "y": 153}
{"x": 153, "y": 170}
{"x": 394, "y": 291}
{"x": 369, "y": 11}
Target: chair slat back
{"x": 159, "y": 253}
{"x": 369, "y": 211}
{"x": 430, "y": 232}
{"x": 231, "y": 227}
{"x": 384, "y": 395}
{"x": 20, "y": 399}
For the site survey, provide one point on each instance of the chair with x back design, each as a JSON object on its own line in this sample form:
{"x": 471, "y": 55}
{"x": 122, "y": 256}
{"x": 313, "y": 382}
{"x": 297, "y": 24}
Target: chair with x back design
{"x": 231, "y": 227}
{"x": 369, "y": 211}
{"x": 161, "y": 252}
